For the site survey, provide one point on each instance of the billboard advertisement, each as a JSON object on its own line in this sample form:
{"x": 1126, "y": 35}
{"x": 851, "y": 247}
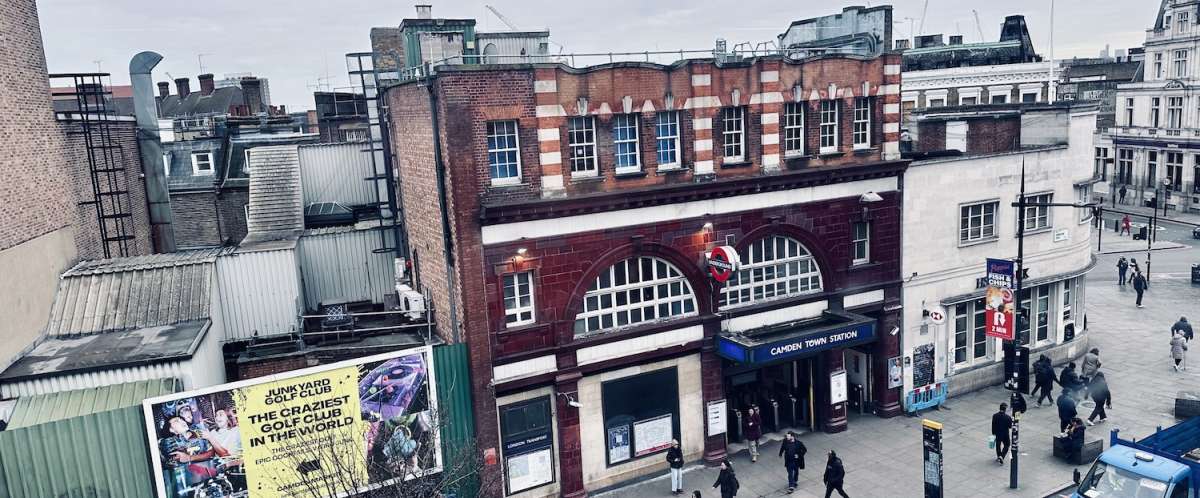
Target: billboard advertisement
{"x": 324, "y": 431}
{"x": 999, "y": 304}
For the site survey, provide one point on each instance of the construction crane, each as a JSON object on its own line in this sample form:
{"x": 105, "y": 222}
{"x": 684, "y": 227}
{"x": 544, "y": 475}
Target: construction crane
{"x": 924, "y": 11}
{"x": 978, "y": 26}
{"x": 502, "y": 18}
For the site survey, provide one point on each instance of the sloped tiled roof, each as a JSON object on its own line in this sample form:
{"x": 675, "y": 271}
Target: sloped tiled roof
{"x": 276, "y": 199}
{"x": 45, "y": 408}
{"x": 135, "y": 292}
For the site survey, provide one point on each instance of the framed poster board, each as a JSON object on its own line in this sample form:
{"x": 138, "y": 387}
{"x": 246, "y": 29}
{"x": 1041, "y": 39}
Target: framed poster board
{"x": 618, "y": 444}
{"x": 923, "y": 365}
{"x": 716, "y": 416}
{"x": 652, "y": 435}
{"x": 837, "y": 387}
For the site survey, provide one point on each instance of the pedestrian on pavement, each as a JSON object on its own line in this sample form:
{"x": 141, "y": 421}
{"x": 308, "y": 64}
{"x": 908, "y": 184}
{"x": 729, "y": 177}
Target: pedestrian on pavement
{"x": 792, "y": 451}
{"x": 1183, "y": 327}
{"x": 1069, "y": 380}
{"x": 752, "y": 427}
{"x": 1091, "y": 365}
{"x": 1002, "y": 431}
{"x": 1122, "y": 193}
{"x": 675, "y": 460}
{"x": 1139, "y": 286}
{"x": 1133, "y": 264}
{"x": 1122, "y": 269}
{"x": 1102, "y": 396}
{"x": 1043, "y": 378}
{"x": 835, "y": 475}
{"x": 1066, "y": 410}
{"x": 727, "y": 480}
{"x": 1178, "y": 349}
{"x": 1126, "y": 226}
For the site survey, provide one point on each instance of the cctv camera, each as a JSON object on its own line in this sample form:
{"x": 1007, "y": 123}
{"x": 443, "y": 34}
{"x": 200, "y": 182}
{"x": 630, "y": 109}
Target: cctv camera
{"x": 575, "y": 404}
{"x": 895, "y": 330}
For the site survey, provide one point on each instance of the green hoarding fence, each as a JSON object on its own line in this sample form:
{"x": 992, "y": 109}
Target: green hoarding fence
{"x": 457, "y": 413}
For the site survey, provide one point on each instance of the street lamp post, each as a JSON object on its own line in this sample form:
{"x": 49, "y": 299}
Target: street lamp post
{"x": 1021, "y": 206}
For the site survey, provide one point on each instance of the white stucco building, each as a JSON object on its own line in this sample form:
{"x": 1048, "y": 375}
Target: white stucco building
{"x": 958, "y": 212}
{"x": 1156, "y": 140}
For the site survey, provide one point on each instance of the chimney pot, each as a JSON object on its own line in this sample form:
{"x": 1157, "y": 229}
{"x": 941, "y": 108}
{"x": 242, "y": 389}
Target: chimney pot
{"x": 424, "y": 11}
{"x": 206, "y": 84}
{"x": 956, "y": 39}
{"x": 183, "y": 87}
{"x": 164, "y": 89}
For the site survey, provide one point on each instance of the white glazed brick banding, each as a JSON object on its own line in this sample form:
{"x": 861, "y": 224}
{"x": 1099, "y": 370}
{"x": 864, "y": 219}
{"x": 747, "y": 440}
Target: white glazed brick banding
{"x": 550, "y": 111}
{"x": 705, "y": 144}
{"x": 551, "y": 158}
{"x": 704, "y": 167}
{"x": 702, "y": 124}
{"x": 769, "y": 76}
{"x": 769, "y": 118}
{"x": 701, "y": 80}
{"x": 545, "y": 86}
{"x": 548, "y": 134}
{"x": 891, "y": 108}
{"x": 770, "y": 138}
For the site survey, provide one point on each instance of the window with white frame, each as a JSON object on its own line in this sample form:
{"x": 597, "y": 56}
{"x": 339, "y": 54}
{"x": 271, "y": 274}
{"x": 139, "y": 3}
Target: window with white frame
{"x": 1181, "y": 20}
{"x": 637, "y": 290}
{"x": 1174, "y": 112}
{"x": 970, "y": 336}
{"x": 1155, "y": 102}
{"x": 202, "y": 163}
{"x": 1036, "y": 325}
{"x": 666, "y": 137}
{"x": 1124, "y": 166}
{"x": 504, "y": 154}
{"x": 1067, "y": 309}
{"x": 166, "y": 164}
{"x": 355, "y": 134}
{"x": 862, "y": 242}
{"x": 773, "y": 267}
{"x": 862, "y": 122}
{"x": 625, "y": 143}
{"x": 1037, "y": 217}
{"x": 518, "y": 299}
{"x": 1158, "y": 65}
{"x": 793, "y": 128}
{"x": 733, "y": 134}
{"x": 1100, "y": 168}
{"x": 1129, "y": 112}
{"x": 581, "y": 138}
{"x": 1181, "y": 61}
{"x": 977, "y": 221}
{"x": 939, "y": 102}
{"x": 1083, "y": 195}
{"x": 829, "y": 126}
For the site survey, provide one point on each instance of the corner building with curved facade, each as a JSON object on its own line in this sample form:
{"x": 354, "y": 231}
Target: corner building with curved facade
{"x": 560, "y": 220}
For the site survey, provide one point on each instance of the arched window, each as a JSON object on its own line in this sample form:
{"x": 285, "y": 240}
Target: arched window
{"x": 773, "y": 267}
{"x": 636, "y": 290}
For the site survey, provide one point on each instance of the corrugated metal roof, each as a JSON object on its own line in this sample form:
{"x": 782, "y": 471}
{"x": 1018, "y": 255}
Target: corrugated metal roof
{"x": 276, "y": 198}
{"x": 41, "y": 409}
{"x": 136, "y": 292}
{"x": 337, "y": 173}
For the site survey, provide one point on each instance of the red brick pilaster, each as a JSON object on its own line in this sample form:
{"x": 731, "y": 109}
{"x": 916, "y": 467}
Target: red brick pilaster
{"x": 887, "y": 345}
{"x": 570, "y": 453}
{"x": 713, "y": 390}
{"x": 834, "y": 415}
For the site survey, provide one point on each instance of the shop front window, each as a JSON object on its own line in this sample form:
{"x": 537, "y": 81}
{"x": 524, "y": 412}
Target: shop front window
{"x": 634, "y": 291}
{"x": 970, "y": 337}
{"x": 641, "y": 415}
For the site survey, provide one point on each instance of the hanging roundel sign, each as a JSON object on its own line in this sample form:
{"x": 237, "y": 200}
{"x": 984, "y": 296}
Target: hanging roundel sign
{"x": 722, "y": 262}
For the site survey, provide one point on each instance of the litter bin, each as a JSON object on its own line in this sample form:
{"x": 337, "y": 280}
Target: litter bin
{"x": 1142, "y": 233}
{"x": 1196, "y": 274}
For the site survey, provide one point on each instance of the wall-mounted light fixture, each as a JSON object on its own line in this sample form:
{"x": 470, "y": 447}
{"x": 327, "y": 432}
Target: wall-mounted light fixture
{"x": 522, "y": 251}
{"x": 707, "y": 226}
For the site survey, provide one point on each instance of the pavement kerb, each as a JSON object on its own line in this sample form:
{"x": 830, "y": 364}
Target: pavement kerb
{"x": 1160, "y": 218}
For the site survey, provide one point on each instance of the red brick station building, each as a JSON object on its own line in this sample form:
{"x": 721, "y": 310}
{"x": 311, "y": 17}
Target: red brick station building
{"x": 561, "y": 221}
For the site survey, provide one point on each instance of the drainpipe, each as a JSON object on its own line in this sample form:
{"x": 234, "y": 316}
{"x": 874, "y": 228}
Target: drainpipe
{"x": 158, "y": 199}
{"x": 447, "y": 240}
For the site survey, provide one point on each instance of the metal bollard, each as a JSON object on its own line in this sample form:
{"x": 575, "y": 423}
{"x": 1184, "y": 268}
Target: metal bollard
{"x": 775, "y": 409}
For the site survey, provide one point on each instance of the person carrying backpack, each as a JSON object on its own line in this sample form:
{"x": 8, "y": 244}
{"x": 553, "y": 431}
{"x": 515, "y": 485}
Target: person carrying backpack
{"x": 835, "y": 475}
{"x": 727, "y": 481}
{"x": 1122, "y": 271}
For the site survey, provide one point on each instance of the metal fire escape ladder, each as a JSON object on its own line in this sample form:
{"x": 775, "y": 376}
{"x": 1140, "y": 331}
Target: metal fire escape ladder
{"x": 105, "y": 156}
{"x": 365, "y": 81}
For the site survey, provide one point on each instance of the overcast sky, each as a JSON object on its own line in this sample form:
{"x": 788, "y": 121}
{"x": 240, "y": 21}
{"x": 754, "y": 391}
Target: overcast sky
{"x": 295, "y": 43}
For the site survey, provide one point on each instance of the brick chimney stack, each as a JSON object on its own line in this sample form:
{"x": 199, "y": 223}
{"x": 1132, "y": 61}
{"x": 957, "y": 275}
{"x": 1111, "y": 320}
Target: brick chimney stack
{"x": 206, "y": 84}
{"x": 252, "y": 94}
{"x": 424, "y": 11}
{"x": 164, "y": 89}
{"x": 183, "y": 87}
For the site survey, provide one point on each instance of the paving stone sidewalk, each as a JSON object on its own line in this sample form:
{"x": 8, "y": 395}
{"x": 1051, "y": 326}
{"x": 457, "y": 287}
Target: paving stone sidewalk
{"x": 883, "y": 457}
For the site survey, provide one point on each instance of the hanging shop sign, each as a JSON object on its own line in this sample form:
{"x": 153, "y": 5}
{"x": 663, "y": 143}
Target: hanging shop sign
{"x": 345, "y": 427}
{"x": 998, "y": 300}
{"x": 722, "y": 262}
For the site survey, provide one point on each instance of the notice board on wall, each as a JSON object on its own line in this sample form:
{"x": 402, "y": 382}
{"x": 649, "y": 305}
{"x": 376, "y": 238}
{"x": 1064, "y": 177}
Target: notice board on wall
{"x": 923, "y": 365}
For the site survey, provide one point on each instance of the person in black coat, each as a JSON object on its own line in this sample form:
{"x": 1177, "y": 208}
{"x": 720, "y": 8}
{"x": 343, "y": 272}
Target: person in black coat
{"x": 675, "y": 460}
{"x": 1139, "y": 285}
{"x": 1102, "y": 396}
{"x": 1043, "y": 378}
{"x": 727, "y": 480}
{"x": 792, "y": 451}
{"x": 1002, "y": 431}
{"x": 835, "y": 475}
{"x": 1069, "y": 379}
{"x": 1066, "y": 410}
{"x": 1075, "y": 435}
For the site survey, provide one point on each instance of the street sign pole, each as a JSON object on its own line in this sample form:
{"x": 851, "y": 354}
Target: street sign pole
{"x": 1015, "y": 447}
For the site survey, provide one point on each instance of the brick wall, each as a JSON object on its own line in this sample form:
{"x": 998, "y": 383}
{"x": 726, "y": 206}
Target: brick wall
{"x": 231, "y": 208}
{"x": 994, "y": 135}
{"x": 931, "y": 136}
{"x": 36, "y": 193}
{"x": 250, "y": 369}
{"x": 87, "y": 233}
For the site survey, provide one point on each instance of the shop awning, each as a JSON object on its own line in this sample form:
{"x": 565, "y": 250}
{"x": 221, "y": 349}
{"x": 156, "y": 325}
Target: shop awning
{"x": 833, "y": 329}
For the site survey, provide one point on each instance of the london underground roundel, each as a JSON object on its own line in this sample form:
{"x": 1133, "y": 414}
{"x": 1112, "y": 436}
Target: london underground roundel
{"x": 722, "y": 262}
